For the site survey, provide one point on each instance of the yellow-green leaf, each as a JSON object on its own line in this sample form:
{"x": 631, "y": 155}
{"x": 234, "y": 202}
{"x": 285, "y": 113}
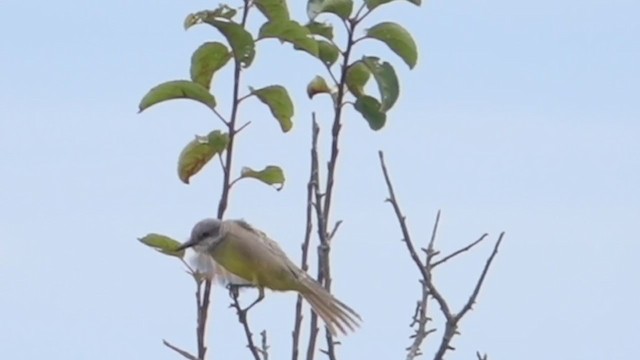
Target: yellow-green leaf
{"x": 387, "y": 81}
{"x": 369, "y": 107}
{"x": 177, "y": 89}
{"x": 291, "y": 32}
{"x": 273, "y": 9}
{"x": 321, "y": 29}
{"x": 358, "y": 75}
{"x": 397, "y": 39}
{"x": 206, "y": 60}
{"x": 317, "y": 86}
{"x": 372, "y": 4}
{"x": 270, "y": 175}
{"x": 163, "y": 244}
{"x": 277, "y": 99}
{"x": 198, "y": 152}
{"x": 240, "y": 40}
{"x": 223, "y": 11}
{"x": 327, "y": 52}
{"x": 341, "y": 8}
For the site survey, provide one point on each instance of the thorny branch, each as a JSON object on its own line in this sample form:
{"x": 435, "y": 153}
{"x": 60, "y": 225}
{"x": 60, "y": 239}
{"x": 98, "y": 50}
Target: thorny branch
{"x": 429, "y": 288}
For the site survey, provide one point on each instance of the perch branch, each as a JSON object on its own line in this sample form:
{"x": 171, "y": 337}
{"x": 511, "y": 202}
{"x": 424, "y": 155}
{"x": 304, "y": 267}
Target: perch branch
{"x": 428, "y": 286}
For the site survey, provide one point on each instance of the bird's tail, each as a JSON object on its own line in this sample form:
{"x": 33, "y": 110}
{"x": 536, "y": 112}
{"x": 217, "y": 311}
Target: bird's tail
{"x": 336, "y": 314}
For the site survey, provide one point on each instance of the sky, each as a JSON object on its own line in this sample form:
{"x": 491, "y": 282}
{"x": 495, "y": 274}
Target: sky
{"x": 520, "y": 117}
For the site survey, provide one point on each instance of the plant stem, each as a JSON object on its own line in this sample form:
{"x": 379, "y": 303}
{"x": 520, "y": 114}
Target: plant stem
{"x": 323, "y": 201}
{"x": 203, "y": 308}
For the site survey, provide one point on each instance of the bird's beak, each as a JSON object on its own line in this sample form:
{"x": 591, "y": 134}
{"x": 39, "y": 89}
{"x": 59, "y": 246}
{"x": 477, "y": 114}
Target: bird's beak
{"x": 189, "y": 243}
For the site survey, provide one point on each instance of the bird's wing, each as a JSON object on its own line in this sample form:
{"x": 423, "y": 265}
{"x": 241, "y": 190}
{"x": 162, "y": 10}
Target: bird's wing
{"x": 269, "y": 245}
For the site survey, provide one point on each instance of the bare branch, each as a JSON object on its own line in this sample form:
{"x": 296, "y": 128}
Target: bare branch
{"x": 476, "y": 291}
{"x": 429, "y": 288}
{"x": 482, "y": 357}
{"x": 401, "y": 220}
{"x": 335, "y": 229}
{"x": 304, "y": 265}
{"x": 242, "y": 318}
{"x": 460, "y": 251}
{"x": 204, "y": 301}
{"x": 184, "y": 353}
{"x": 323, "y": 199}
{"x": 264, "y": 349}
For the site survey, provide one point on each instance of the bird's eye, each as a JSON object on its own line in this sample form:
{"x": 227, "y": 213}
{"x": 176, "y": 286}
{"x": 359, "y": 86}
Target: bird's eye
{"x": 205, "y": 234}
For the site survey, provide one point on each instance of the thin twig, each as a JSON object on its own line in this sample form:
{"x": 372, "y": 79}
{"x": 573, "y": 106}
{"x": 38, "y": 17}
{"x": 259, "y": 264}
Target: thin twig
{"x": 243, "y": 127}
{"x": 335, "y": 229}
{"x": 179, "y": 351}
{"x": 316, "y": 205}
{"x": 482, "y": 357}
{"x": 242, "y": 318}
{"x": 476, "y": 290}
{"x": 264, "y": 348}
{"x": 460, "y": 251}
{"x": 220, "y": 116}
{"x": 304, "y": 265}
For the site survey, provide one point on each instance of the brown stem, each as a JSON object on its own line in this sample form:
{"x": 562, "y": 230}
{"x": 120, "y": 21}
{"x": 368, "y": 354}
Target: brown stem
{"x": 429, "y": 287}
{"x": 203, "y": 307}
{"x": 307, "y": 234}
{"x": 323, "y": 199}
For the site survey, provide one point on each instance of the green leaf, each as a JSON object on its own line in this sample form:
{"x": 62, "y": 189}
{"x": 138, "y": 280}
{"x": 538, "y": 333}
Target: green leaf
{"x": 240, "y": 40}
{"x": 327, "y": 52}
{"x": 206, "y": 60}
{"x": 177, "y": 89}
{"x": 342, "y": 8}
{"x": 277, "y": 99}
{"x": 197, "y": 153}
{"x": 397, "y": 39}
{"x": 163, "y": 244}
{"x": 291, "y": 32}
{"x": 372, "y": 4}
{"x": 321, "y": 29}
{"x": 358, "y": 75}
{"x": 270, "y": 175}
{"x": 273, "y": 9}
{"x": 387, "y": 81}
{"x": 369, "y": 107}
{"x": 317, "y": 86}
{"x": 223, "y": 11}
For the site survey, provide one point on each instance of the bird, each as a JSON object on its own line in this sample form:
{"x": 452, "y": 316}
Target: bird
{"x": 253, "y": 258}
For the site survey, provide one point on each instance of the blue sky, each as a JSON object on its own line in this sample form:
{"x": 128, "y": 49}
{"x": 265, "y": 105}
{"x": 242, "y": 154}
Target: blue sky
{"x": 520, "y": 117}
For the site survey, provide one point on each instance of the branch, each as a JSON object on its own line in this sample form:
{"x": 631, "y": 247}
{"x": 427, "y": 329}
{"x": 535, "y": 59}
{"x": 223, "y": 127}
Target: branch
{"x": 458, "y": 252}
{"x": 476, "y": 290}
{"x": 323, "y": 199}
{"x": 204, "y": 301}
{"x": 428, "y": 286}
{"x": 179, "y": 351}
{"x": 242, "y": 318}
{"x": 307, "y": 234}
{"x": 264, "y": 349}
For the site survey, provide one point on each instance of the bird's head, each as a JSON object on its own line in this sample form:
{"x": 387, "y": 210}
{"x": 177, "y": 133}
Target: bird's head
{"x": 205, "y": 234}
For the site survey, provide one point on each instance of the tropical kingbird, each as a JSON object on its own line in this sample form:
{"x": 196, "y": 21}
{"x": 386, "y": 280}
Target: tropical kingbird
{"x": 251, "y": 255}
